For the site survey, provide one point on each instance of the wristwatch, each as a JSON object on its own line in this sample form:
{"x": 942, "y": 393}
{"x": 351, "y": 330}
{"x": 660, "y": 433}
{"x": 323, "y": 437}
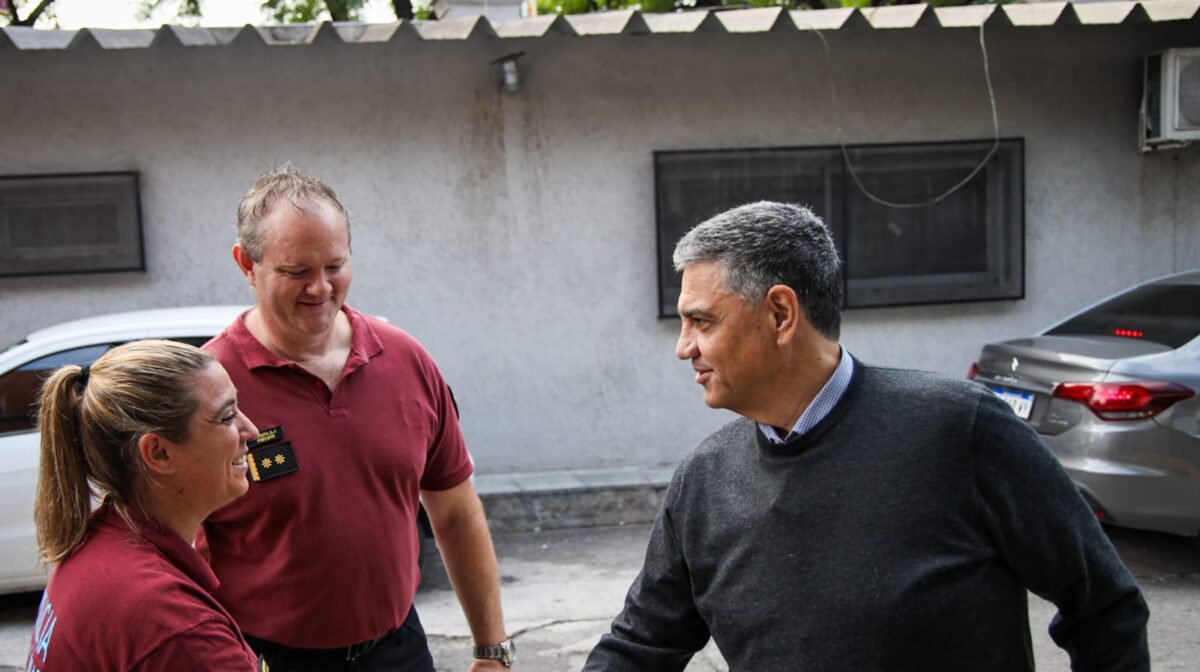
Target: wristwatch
{"x": 505, "y": 652}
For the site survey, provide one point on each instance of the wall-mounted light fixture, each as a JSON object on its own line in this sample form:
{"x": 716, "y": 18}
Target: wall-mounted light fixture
{"x": 510, "y": 75}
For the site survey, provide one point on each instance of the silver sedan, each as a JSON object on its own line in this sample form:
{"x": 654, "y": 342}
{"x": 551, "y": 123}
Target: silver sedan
{"x": 1112, "y": 392}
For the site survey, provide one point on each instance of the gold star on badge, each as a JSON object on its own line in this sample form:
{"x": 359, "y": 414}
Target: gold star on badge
{"x": 266, "y": 464}
{"x": 279, "y": 459}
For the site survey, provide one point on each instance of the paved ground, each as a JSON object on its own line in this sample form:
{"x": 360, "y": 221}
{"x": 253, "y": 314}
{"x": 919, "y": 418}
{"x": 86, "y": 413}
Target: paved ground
{"x": 562, "y": 587}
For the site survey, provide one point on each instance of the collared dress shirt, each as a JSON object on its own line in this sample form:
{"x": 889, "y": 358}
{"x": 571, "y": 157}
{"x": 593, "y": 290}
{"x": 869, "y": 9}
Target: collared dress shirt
{"x": 821, "y": 404}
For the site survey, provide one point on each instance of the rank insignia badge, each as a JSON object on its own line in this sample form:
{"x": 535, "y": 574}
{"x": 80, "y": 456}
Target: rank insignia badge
{"x": 271, "y": 462}
{"x": 264, "y": 437}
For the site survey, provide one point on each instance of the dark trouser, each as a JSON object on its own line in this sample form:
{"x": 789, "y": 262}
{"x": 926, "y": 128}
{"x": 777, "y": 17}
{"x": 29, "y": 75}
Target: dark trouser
{"x": 401, "y": 650}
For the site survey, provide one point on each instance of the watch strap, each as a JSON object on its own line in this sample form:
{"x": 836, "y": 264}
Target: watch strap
{"x": 504, "y": 652}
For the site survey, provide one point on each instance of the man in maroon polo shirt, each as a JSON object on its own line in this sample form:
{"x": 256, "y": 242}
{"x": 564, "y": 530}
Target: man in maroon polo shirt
{"x": 318, "y": 562}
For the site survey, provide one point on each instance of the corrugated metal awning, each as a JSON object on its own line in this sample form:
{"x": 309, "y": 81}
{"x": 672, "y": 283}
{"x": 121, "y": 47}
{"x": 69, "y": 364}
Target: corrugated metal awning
{"x": 1040, "y": 14}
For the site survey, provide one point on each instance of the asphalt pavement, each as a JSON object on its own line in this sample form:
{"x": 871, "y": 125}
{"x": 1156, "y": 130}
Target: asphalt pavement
{"x": 561, "y": 589}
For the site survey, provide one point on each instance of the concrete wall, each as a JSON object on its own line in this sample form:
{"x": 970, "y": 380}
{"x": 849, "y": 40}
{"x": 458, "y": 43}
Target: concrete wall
{"x": 514, "y": 235}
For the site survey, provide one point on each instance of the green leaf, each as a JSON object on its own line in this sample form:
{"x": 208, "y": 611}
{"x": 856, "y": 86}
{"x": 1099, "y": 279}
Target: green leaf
{"x": 310, "y": 11}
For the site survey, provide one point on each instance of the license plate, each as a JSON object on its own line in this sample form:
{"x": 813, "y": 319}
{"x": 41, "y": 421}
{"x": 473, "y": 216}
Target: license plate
{"x": 1021, "y": 402}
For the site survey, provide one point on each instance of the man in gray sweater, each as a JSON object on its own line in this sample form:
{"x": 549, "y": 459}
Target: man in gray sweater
{"x": 856, "y": 518}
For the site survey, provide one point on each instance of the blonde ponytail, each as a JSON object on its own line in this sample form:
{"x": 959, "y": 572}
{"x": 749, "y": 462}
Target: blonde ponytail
{"x": 91, "y": 419}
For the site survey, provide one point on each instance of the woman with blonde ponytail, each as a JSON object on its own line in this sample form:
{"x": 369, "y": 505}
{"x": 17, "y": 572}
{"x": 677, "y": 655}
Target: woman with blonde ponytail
{"x": 152, "y": 432}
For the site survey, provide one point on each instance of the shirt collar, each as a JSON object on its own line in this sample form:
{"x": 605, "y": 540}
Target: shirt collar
{"x": 364, "y": 343}
{"x": 174, "y": 548}
{"x": 821, "y": 405}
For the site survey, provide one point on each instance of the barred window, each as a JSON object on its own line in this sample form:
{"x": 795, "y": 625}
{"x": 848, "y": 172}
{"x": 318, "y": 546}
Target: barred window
{"x": 968, "y": 246}
{"x": 87, "y": 223}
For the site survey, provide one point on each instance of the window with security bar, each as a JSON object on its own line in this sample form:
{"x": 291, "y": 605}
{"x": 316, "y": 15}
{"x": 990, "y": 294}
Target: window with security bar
{"x": 913, "y": 223}
{"x": 77, "y": 223}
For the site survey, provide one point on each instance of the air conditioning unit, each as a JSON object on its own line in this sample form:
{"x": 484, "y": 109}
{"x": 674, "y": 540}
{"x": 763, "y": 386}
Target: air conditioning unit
{"x": 1170, "y": 99}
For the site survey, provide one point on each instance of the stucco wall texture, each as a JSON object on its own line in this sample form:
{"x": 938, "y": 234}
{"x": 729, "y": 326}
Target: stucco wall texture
{"x": 514, "y": 234}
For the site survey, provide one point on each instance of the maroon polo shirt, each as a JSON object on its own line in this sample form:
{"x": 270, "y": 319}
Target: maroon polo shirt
{"x": 325, "y": 555}
{"x": 130, "y": 601}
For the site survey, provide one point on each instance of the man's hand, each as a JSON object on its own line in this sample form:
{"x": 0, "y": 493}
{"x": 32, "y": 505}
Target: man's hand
{"x": 487, "y": 666}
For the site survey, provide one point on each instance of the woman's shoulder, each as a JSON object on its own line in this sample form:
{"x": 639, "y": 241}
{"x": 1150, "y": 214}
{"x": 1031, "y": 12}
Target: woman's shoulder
{"x": 121, "y": 568}
{"x": 120, "y": 583}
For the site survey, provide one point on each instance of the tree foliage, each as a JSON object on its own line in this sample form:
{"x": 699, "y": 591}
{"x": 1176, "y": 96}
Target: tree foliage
{"x": 22, "y": 12}
{"x": 186, "y": 8}
{"x": 282, "y": 11}
{"x": 310, "y": 11}
{"x": 585, "y": 6}
{"x": 27, "y": 12}
{"x": 279, "y": 11}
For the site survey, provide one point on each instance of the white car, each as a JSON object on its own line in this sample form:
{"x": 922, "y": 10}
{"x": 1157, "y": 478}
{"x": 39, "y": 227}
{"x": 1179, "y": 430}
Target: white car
{"x": 22, "y": 369}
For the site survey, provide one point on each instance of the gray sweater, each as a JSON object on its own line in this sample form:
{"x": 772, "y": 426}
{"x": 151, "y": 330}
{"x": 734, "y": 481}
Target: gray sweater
{"x": 900, "y": 533}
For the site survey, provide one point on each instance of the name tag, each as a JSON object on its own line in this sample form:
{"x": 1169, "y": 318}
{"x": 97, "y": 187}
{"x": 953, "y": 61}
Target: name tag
{"x": 264, "y": 437}
{"x": 272, "y": 462}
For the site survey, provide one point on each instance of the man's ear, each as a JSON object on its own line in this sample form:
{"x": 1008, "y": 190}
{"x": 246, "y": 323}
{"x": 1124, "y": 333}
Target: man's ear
{"x": 244, "y": 262}
{"x": 785, "y": 312}
{"x": 156, "y": 454}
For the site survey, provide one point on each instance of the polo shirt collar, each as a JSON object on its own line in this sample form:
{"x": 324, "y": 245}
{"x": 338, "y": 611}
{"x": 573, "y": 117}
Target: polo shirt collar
{"x": 177, "y": 551}
{"x": 364, "y": 343}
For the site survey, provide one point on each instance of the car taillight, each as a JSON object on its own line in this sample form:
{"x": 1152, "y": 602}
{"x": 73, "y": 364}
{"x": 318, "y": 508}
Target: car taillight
{"x": 1124, "y": 401}
{"x": 973, "y": 371}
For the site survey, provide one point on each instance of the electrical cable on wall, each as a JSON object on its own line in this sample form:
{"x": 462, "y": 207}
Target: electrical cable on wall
{"x": 987, "y": 75}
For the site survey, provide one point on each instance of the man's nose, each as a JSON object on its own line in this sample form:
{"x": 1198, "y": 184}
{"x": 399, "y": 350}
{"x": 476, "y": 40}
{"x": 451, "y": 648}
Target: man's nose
{"x": 319, "y": 285}
{"x": 685, "y": 347}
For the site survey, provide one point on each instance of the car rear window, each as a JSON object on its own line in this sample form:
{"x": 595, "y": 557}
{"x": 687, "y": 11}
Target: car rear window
{"x": 1167, "y": 314}
{"x": 21, "y": 388}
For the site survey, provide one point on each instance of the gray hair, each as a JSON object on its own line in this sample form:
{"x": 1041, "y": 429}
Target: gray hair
{"x": 760, "y": 245}
{"x": 289, "y": 185}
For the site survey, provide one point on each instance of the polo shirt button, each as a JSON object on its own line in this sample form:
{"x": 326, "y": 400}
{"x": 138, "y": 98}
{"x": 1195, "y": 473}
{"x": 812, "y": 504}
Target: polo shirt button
{"x": 318, "y": 385}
